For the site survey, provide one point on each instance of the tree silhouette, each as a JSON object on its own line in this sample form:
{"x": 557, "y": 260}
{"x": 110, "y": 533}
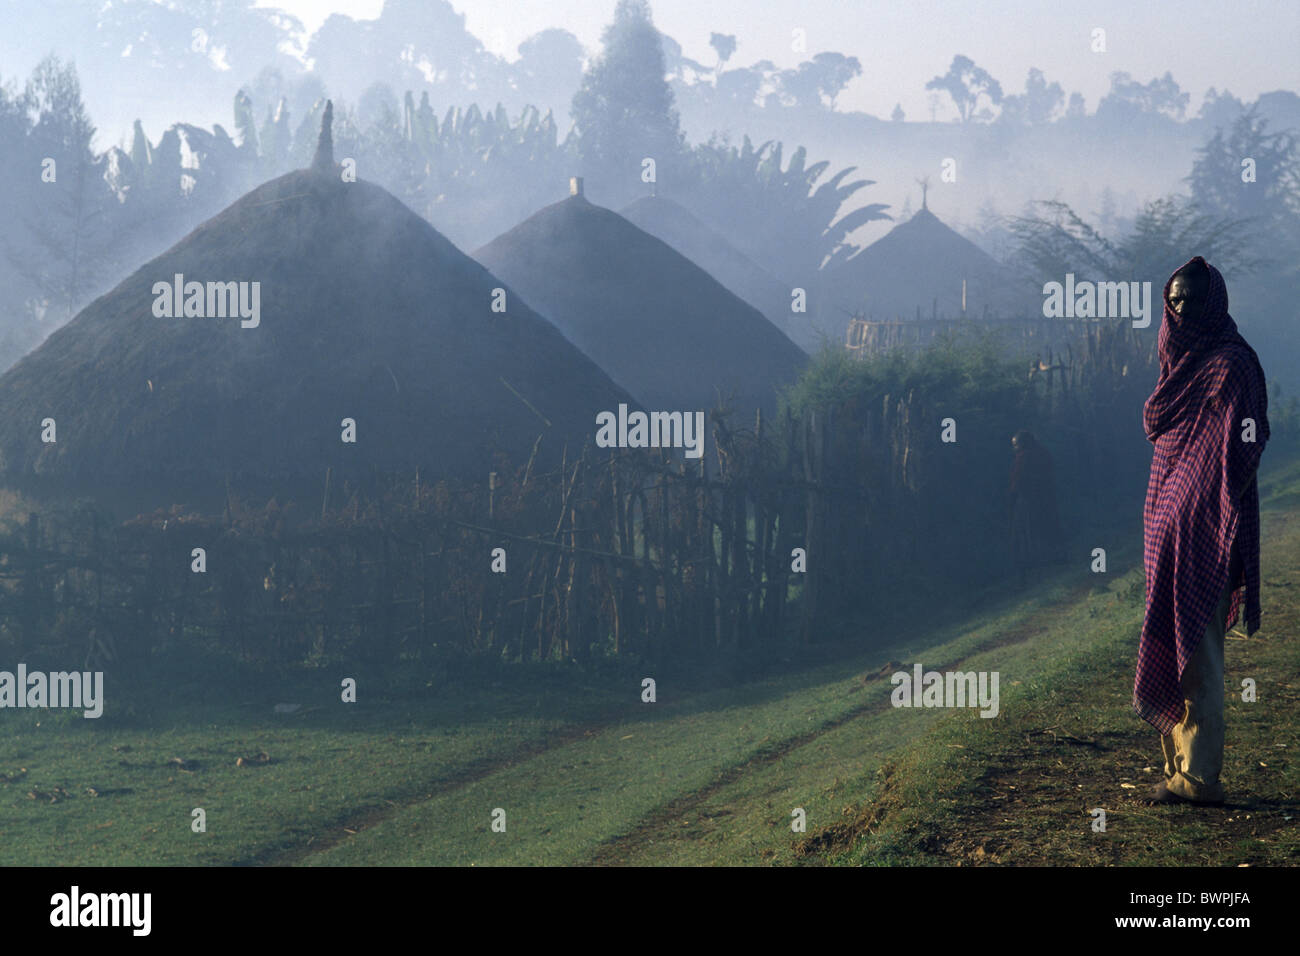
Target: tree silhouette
{"x": 549, "y": 68}
{"x": 68, "y": 219}
{"x": 1039, "y": 104}
{"x": 245, "y": 123}
{"x": 786, "y": 219}
{"x": 826, "y": 74}
{"x": 1271, "y": 198}
{"x": 1220, "y": 109}
{"x": 1160, "y": 96}
{"x": 1058, "y": 240}
{"x": 724, "y": 45}
{"x": 966, "y": 83}
{"x": 624, "y": 109}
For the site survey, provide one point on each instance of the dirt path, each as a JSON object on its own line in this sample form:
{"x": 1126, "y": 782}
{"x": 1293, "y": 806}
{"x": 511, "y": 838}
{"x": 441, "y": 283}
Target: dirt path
{"x": 663, "y": 826}
{"x": 1082, "y": 748}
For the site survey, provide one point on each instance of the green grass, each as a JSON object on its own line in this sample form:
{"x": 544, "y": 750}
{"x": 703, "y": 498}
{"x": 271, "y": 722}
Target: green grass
{"x": 709, "y": 774}
{"x": 329, "y": 763}
{"x": 1020, "y": 790}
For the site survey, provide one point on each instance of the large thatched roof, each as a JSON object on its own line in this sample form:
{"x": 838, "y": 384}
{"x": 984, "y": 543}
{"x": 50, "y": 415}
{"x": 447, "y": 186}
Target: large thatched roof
{"x": 715, "y": 254}
{"x": 659, "y": 324}
{"x": 367, "y": 313}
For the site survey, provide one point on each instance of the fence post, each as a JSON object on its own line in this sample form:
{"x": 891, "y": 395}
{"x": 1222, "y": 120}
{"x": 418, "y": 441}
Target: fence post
{"x": 814, "y": 459}
{"x": 31, "y": 584}
{"x": 422, "y": 543}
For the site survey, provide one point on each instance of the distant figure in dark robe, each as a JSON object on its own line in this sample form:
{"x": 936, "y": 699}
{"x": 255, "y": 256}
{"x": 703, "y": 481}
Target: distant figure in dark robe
{"x": 1036, "y": 537}
{"x": 1208, "y": 422}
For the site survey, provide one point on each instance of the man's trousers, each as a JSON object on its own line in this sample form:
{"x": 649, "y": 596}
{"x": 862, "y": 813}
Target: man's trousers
{"x": 1194, "y": 748}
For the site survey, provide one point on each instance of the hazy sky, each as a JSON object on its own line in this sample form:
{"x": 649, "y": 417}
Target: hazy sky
{"x": 1247, "y": 46}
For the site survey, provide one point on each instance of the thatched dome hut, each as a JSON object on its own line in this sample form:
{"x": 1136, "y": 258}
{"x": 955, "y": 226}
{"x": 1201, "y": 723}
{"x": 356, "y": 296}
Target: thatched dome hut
{"x": 364, "y": 312}
{"x": 917, "y": 269}
{"x": 660, "y": 325}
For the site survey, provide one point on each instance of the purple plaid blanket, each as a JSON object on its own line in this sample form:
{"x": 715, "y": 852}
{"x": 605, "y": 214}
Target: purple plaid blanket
{"x": 1201, "y": 496}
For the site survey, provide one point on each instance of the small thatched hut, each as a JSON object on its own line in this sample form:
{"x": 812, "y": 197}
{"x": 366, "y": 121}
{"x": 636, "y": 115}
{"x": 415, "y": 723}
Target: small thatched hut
{"x": 918, "y": 267}
{"x": 658, "y": 323}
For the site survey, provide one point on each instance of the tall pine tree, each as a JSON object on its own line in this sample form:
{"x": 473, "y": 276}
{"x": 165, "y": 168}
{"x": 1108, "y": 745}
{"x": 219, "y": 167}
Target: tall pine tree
{"x": 624, "y": 110}
{"x": 72, "y": 237}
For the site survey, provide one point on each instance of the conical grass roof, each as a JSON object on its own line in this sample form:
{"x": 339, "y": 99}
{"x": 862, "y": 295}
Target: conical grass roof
{"x": 366, "y": 313}
{"x": 660, "y": 325}
{"x": 920, "y": 265}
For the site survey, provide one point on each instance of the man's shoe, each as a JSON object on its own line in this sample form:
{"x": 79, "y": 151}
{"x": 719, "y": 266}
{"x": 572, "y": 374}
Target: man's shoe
{"x": 1161, "y": 793}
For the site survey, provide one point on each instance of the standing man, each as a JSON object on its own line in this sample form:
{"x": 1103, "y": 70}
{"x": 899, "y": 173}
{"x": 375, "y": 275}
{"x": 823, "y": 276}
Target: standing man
{"x": 1208, "y": 419}
{"x": 1035, "y": 524}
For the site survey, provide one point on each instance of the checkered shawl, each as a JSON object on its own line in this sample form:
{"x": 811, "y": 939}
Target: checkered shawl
{"x": 1201, "y": 496}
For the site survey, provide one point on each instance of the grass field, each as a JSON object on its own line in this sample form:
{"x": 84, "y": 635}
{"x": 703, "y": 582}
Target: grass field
{"x": 710, "y": 773}
{"x": 1021, "y": 789}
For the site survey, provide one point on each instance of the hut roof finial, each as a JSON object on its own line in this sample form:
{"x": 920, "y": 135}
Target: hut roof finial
{"x": 324, "y": 159}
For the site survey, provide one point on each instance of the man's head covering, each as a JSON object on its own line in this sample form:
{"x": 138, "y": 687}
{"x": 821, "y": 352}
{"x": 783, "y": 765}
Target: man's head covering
{"x": 1183, "y": 342}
